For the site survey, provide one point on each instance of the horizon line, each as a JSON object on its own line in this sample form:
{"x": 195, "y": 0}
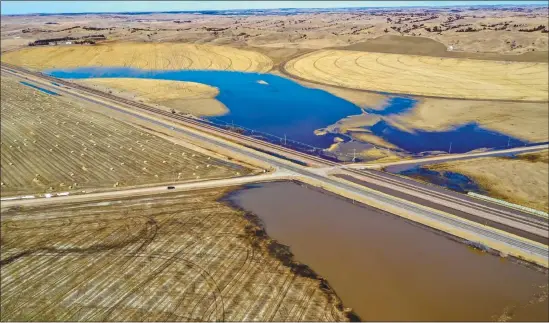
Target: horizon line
{"x": 514, "y": 4}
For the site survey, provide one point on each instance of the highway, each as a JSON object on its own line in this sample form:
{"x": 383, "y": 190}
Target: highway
{"x": 31, "y": 200}
{"x": 436, "y": 218}
{"x": 445, "y": 158}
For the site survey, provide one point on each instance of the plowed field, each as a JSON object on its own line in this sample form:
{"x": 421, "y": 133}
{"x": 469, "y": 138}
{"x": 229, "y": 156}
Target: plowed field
{"x": 178, "y": 257}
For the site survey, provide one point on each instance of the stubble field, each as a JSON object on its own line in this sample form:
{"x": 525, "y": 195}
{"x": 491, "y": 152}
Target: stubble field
{"x": 154, "y": 56}
{"x": 177, "y": 257}
{"x": 50, "y": 144}
{"x": 423, "y": 75}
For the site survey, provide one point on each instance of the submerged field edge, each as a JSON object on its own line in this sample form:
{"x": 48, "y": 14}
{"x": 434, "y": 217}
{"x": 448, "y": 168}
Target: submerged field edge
{"x": 257, "y": 236}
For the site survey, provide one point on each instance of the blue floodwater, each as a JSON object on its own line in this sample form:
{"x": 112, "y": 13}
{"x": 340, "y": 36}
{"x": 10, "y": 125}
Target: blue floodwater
{"x": 395, "y": 105}
{"x": 462, "y": 139}
{"x": 38, "y": 88}
{"x": 281, "y": 107}
{"x": 454, "y": 181}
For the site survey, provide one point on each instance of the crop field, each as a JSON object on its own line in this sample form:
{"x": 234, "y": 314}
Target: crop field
{"x": 175, "y": 257}
{"x": 423, "y": 75}
{"x": 51, "y": 144}
{"x": 186, "y": 97}
{"x": 155, "y": 56}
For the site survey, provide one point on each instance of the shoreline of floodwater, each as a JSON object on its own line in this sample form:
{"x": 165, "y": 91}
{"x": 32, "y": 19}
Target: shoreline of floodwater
{"x": 284, "y": 109}
{"x": 256, "y": 232}
{"x": 513, "y": 263}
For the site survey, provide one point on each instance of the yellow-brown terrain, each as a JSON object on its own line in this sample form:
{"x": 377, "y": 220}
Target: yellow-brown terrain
{"x": 174, "y": 257}
{"x": 523, "y": 180}
{"x": 52, "y": 144}
{"x": 424, "y": 75}
{"x": 184, "y": 97}
{"x": 192, "y": 256}
{"x": 155, "y": 56}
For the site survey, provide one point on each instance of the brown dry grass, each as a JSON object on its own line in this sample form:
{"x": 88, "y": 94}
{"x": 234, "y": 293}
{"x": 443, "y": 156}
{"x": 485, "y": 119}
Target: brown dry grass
{"x": 51, "y": 144}
{"x": 424, "y": 75}
{"x": 425, "y": 46}
{"x": 523, "y": 181}
{"x": 185, "y": 97}
{"x": 174, "y": 257}
{"x": 306, "y": 29}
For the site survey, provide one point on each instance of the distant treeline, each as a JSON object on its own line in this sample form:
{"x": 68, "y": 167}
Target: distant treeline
{"x": 538, "y": 28}
{"x": 96, "y": 37}
{"x": 86, "y": 41}
{"x": 214, "y": 29}
{"x": 28, "y": 30}
{"x": 90, "y": 39}
{"x": 42, "y": 42}
{"x": 467, "y": 30}
{"x": 97, "y": 28}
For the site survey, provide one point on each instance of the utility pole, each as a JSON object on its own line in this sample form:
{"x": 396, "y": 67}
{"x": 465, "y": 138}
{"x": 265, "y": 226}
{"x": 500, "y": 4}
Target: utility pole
{"x": 354, "y": 157}
{"x": 450, "y": 150}
{"x": 508, "y": 141}
{"x": 284, "y": 139}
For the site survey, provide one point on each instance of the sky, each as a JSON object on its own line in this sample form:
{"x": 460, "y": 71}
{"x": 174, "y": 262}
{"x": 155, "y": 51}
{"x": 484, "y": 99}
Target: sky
{"x": 26, "y": 7}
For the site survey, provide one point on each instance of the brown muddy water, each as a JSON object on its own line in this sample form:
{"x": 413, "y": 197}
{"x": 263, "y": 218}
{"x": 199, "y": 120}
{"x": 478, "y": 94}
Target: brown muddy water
{"x": 389, "y": 269}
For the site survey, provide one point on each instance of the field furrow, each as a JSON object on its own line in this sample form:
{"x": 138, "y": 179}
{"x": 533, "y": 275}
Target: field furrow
{"x": 177, "y": 257}
{"x": 424, "y": 75}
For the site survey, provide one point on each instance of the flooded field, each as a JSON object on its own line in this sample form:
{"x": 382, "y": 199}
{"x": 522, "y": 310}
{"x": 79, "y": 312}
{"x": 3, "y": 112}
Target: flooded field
{"x": 282, "y": 109}
{"x": 461, "y": 139}
{"x": 263, "y": 102}
{"x": 38, "y": 88}
{"x": 452, "y": 180}
{"x": 386, "y": 268}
